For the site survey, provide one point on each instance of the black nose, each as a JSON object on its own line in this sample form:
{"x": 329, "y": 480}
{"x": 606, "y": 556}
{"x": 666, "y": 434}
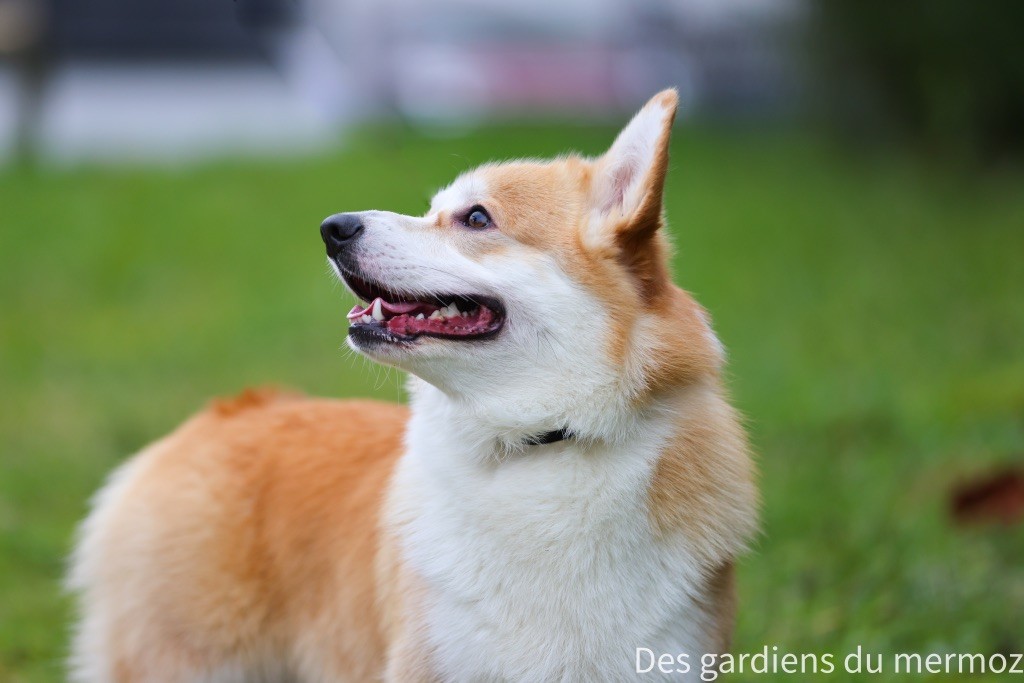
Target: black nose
{"x": 340, "y": 229}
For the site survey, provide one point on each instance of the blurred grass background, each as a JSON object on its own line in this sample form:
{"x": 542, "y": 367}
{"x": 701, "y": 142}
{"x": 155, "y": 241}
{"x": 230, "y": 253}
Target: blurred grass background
{"x": 872, "y": 308}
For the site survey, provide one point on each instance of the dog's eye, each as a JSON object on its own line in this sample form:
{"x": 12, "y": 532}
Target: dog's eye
{"x": 477, "y": 218}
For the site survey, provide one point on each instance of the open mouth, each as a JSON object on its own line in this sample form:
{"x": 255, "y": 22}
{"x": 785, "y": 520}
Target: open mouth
{"x": 395, "y": 316}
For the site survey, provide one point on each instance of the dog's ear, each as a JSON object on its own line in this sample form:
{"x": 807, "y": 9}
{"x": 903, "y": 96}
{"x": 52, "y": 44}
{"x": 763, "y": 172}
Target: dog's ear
{"x": 627, "y": 188}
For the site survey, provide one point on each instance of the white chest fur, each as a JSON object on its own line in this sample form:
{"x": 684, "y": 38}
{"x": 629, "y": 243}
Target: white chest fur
{"x": 543, "y": 566}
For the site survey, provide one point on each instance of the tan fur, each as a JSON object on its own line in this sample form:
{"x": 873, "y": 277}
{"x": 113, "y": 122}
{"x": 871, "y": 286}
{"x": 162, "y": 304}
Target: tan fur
{"x": 254, "y": 527}
{"x": 703, "y": 486}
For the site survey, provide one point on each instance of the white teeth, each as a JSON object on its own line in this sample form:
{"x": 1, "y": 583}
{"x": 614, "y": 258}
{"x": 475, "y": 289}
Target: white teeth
{"x": 449, "y": 311}
{"x": 366, "y": 319}
{"x": 377, "y": 313}
{"x": 419, "y": 316}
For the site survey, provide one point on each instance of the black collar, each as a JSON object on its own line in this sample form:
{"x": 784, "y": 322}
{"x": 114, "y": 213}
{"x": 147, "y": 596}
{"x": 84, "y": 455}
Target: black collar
{"x": 548, "y": 437}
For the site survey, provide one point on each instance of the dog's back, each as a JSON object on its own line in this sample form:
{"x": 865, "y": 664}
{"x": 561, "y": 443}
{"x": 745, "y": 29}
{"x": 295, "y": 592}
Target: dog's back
{"x": 241, "y": 545}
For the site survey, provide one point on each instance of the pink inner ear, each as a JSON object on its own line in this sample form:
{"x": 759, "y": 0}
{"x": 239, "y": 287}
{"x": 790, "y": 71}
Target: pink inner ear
{"x": 622, "y": 176}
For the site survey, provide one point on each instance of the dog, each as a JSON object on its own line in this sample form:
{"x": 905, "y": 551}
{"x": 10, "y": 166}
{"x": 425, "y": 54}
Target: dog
{"x": 566, "y": 493}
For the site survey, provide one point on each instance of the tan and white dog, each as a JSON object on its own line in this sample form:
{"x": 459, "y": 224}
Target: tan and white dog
{"x": 569, "y": 483}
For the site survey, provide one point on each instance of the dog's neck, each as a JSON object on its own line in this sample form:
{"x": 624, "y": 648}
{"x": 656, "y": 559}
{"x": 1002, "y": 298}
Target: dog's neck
{"x": 493, "y": 427}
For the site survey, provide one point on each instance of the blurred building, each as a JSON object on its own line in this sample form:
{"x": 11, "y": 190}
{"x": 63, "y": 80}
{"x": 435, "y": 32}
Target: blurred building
{"x": 448, "y": 60}
{"x": 151, "y": 79}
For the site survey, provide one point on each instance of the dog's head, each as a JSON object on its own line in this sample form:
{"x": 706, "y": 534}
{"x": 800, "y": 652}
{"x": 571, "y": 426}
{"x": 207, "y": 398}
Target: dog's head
{"x": 535, "y": 288}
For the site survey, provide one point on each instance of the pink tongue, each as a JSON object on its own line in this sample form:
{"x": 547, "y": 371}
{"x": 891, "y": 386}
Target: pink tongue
{"x": 398, "y": 309}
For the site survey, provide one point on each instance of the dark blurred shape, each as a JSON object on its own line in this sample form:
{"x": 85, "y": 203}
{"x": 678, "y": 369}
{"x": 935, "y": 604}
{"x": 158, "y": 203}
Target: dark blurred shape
{"x": 162, "y": 29}
{"x": 21, "y": 25}
{"x": 998, "y": 497}
{"x": 23, "y": 30}
{"x": 944, "y": 75}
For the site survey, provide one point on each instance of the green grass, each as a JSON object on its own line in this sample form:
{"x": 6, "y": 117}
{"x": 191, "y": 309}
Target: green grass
{"x": 873, "y": 309}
